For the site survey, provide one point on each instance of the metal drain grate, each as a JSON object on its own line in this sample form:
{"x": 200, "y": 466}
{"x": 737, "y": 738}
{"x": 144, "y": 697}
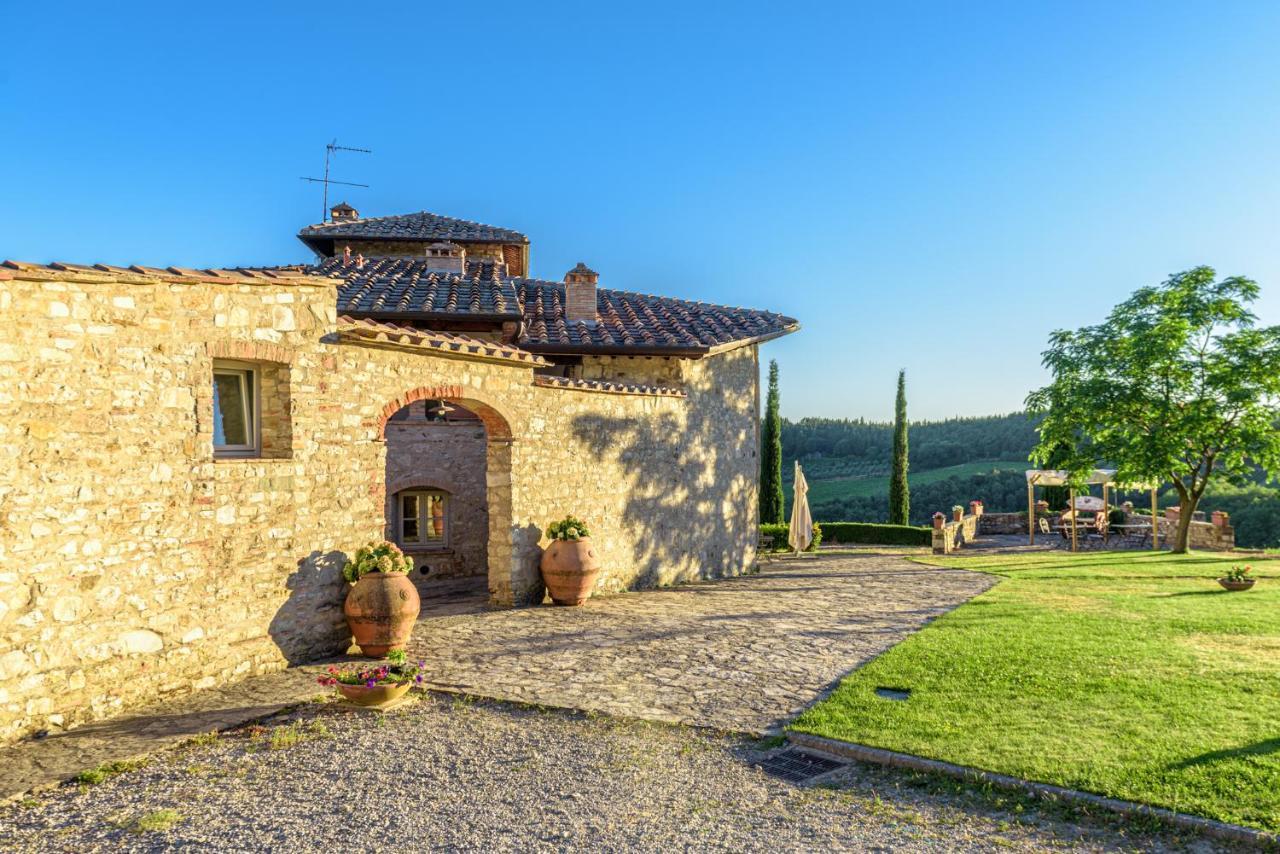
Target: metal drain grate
{"x": 796, "y": 766}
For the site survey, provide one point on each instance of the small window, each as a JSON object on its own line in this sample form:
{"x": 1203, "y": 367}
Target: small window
{"x": 424, "y": 518}
{"x": 235, "y": 410}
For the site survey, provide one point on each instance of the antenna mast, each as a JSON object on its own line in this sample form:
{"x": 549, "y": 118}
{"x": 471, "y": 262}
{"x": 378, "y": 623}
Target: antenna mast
{"x": 326, "y": 180}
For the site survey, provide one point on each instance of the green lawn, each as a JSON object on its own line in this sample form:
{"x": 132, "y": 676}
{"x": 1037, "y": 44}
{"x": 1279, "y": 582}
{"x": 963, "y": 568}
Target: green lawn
{"x": 1127, "y": 674}
{"x": 834, "y": 489}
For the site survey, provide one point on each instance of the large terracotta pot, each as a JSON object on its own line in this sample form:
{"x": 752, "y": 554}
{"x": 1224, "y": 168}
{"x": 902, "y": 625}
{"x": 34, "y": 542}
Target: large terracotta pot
{"x": 569, "y": 569}
{"x": 362, "y": 695}
{"x": 381, "y": 609}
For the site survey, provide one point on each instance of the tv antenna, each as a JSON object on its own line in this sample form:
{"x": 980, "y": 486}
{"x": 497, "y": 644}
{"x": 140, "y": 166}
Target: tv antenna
{"x": 326, "y": 180}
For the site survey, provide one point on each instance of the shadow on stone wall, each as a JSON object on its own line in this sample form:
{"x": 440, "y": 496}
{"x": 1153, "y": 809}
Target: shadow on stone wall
{"x": 682, "y": 524}
{"x": 310, "y": 623}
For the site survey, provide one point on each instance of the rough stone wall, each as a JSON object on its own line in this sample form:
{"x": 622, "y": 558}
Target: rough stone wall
{"x": 643, "y": 370}
{"x": 953, "y": 535}
{"x": 418, "y": 249}
{"x": 448, "y": 456}
{"x": 133, "y": 564}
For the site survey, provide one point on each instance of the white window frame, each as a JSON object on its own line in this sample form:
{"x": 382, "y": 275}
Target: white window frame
{"x": 247, "y": 372}
{"x": 424, "y": 519}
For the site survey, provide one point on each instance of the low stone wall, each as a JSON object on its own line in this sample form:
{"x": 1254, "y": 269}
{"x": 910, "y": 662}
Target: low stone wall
{"x": 1002, "y": 523}
{"x": 953, "y": 535}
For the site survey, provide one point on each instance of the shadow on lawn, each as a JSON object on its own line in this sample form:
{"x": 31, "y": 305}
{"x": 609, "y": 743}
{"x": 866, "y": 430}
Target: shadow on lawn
{"x": 1261, "y": 748}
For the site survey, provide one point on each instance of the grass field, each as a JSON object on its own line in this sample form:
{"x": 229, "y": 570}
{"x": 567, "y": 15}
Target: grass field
{"x": 1125, "y": 674}
{"x": 834, "y": 489}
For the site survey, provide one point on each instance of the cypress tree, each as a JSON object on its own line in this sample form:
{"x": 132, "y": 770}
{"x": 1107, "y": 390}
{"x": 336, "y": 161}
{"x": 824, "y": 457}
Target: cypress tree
{"x": 899, "y": 491}
{"x": 772, "y": 503}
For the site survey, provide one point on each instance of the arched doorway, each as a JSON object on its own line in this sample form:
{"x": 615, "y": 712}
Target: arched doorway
{"x": 448, "y": 492}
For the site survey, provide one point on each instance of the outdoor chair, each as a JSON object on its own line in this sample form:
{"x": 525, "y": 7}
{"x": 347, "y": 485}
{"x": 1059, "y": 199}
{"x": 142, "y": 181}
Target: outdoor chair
{"x": 1101, "y": 529}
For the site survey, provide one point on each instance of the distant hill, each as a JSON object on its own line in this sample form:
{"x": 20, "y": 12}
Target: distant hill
{"x": 954, "y": 461}
{"x": 847, "y": 463}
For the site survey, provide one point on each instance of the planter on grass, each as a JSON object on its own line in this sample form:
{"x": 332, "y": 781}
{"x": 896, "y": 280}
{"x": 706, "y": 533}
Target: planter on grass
{"x": 1238, "y": 578}
{"x": 569, "y": 566}
{"x": 382, "y": 604}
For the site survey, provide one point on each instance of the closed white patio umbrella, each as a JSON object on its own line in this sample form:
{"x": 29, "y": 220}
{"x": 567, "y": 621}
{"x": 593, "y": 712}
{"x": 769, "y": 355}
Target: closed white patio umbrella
{"x": 801, "y": 533}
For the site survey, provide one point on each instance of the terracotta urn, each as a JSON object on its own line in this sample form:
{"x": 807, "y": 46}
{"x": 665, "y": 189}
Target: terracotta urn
{"x": 363, "y": 695}
{"x": 975, "y": 507}
{"x": 1220, "y": 518}
{"x": 569, "y": 569}
{"x": 939, "y": 520}
{"x": 381, "y": 609}
{"x": 957, "y": 515}
{"x": 1236, "y": 586}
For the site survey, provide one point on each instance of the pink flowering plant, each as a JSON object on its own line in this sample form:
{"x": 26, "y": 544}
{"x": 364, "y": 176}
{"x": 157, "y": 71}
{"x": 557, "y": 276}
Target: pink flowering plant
{"x": 397, "y": 671}
{"x": 1239, "y": 573}
{"x": 376, "y": 557}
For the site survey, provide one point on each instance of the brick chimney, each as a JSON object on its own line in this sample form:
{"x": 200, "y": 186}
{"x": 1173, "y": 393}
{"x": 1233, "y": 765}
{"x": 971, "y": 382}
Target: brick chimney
{"x": 343, "y": 211}
{"x": 580, "y": 294}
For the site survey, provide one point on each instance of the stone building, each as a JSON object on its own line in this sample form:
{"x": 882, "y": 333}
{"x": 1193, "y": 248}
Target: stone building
{"x": 189, "y": 455}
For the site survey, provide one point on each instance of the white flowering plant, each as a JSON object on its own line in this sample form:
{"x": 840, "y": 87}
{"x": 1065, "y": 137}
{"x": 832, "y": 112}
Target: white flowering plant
{"x": 568, "y": 528}
{"x": 376, "y": 557}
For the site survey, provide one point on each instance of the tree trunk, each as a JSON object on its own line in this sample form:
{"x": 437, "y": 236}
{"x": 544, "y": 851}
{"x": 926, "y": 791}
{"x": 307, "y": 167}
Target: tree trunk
{"x": 1186, "y": 509}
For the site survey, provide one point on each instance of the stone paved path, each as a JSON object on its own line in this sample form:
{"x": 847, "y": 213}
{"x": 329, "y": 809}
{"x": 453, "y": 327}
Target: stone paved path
{"x": 743, "y": 654}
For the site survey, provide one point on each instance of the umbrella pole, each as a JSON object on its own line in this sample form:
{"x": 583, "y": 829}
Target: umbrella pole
{"x": 1155, "y": 527}
{"x": 1031, "y": 513}
{"x": 1071, "y": 505}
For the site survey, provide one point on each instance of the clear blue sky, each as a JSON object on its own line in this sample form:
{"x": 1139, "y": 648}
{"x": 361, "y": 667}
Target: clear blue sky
{"x": 927, "y": 186}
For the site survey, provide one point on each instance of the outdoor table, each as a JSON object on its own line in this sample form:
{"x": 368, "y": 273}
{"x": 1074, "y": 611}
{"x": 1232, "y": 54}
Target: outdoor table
{"x": 1141, "y": 531}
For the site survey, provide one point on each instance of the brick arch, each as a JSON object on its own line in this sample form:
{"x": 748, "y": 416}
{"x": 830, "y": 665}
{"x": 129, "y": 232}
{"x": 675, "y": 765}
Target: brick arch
{"x": 495, "y": 423}
{"x": 503, "y": 558}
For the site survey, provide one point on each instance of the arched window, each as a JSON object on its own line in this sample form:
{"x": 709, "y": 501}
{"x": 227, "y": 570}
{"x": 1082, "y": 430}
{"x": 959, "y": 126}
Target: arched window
{"x": 423, "y": 518}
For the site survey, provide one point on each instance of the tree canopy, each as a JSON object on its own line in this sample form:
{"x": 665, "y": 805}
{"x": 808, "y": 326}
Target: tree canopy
{"x": 1178, "y": 384}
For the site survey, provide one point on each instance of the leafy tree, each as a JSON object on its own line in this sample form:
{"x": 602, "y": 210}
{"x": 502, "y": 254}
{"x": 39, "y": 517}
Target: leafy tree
{"x": 1177, "y": 384}
{"x": 899, "y": 490}
{"x": 772, "y": 502}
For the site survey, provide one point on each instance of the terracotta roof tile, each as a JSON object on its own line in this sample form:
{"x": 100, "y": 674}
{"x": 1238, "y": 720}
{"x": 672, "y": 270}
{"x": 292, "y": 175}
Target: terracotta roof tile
{"x": 405, "y": 288}
{"x": 448, "y": 343}
{"x": 422, "y": 225}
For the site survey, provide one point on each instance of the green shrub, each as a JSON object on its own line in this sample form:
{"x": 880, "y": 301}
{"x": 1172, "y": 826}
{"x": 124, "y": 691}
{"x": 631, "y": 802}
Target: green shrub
{"x": 376, "y": 557}
{"x": 869, "y": 533}
{"x": 568, "y": 528}
{"x": 782, "y": 531}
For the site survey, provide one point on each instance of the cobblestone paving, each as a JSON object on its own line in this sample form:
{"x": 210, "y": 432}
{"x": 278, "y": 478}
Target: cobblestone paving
{"x": 743, "y": 654}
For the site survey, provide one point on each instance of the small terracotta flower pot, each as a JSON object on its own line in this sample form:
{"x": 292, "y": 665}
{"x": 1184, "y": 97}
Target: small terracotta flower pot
{"x": 381, "y": 609}
{"x": 939, "y": 520}
{"x": 363, "y": 695}
{"x": 569, "y": 569}
{"x": 1237, "y": 585}
{"x": 957, "y": 515}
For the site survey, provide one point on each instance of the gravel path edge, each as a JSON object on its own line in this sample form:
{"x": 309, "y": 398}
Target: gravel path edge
{"x": 880, "y": 756}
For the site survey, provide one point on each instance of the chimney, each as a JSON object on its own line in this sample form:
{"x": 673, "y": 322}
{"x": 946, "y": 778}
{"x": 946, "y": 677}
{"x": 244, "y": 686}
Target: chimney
{"x": 446, "y": 257}
{"x": 342, "y": 212}
{"x": 580, "y": 294}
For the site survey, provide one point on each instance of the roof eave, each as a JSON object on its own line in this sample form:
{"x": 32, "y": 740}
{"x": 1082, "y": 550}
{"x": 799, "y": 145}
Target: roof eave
{"x": 756, "y": 339}
{"x": 613, "y": 350}
{"x": 435, "y": 316}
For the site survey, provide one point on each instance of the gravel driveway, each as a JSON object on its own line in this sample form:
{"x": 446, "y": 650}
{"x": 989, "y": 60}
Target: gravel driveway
{"x": 452, "y": 774}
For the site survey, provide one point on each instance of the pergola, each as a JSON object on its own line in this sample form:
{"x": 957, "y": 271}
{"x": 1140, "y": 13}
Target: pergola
{"x": 1105, "y": 477}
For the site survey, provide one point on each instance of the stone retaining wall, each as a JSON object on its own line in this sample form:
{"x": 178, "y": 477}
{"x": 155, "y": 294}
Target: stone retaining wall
{"x": 134, "y": 565}
{"x": 952, "y": 535}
